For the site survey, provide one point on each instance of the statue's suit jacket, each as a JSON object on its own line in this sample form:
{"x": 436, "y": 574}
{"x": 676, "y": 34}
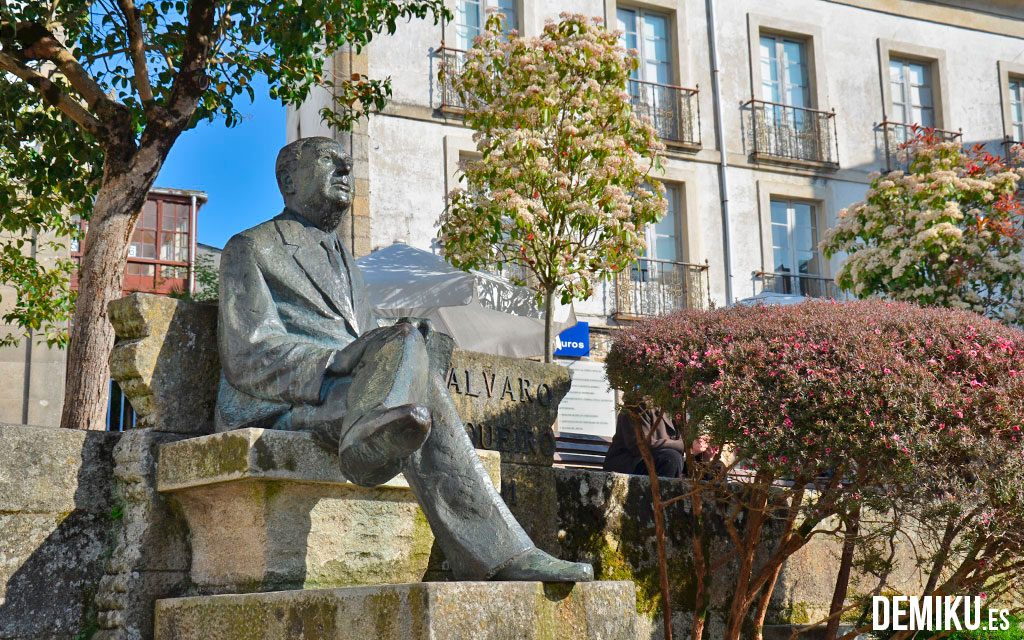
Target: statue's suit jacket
{"x": 287, "y": 304}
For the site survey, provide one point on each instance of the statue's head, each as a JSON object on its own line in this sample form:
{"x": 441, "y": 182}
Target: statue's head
{"x": 313, "y": 175}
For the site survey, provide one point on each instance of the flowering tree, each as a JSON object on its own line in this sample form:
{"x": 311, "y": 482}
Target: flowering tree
{"x": 946, "y": 232}
{"x": 562, "y": 190}
{"x": 825, "y": 408}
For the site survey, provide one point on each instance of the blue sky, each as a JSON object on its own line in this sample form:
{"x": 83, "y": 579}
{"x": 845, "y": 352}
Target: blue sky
{"x": 235, "y": 167}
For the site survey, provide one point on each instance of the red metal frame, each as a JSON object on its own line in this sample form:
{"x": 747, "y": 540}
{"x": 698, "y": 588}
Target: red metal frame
{"x": 155, "y": 283}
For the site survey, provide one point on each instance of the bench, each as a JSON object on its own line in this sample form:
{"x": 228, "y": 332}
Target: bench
{"x": 580, "y": 450}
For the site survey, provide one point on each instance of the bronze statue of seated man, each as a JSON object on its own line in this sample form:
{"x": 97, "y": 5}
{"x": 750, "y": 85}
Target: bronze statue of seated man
{"x": 300, "y": 349}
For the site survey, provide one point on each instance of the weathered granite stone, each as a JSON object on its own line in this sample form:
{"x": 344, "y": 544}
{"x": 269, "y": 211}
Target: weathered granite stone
{"x": 55, "y": 507}
{"x": 150, "y": 557}
{"x": 270, "y": 510}
{"x": 607, "y": 519}
{"x": 166, "y": 361}
{"x": 425, "y": 611}
{"x": 509, "y": 405}
{"x": 785, "y": 632}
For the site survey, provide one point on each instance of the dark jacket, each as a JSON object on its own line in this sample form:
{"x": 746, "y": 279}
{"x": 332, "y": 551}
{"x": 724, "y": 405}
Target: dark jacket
{"x": 624, "y": 454}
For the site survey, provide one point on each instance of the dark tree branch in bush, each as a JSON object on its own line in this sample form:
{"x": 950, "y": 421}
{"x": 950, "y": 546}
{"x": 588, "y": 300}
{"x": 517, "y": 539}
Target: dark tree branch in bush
{"x": 644, "y": 444}
{"x": 847, "y": 404}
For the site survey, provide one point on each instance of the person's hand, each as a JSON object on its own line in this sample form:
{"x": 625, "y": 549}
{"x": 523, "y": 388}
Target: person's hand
{"x": 344, "y": 362}
{"x": 700, "y": 445}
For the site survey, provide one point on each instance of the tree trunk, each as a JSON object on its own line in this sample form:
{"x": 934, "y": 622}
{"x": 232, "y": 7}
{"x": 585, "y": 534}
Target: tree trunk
{"x": 549, "y": 321}
{"x": 742, "y": 596}
{"x": 644, "y": 444}
{"x": 100, "y": 277}
{"x": 764, "y": 601}
{"x": 843, "y": 579}
{"x": 700, "y": 606}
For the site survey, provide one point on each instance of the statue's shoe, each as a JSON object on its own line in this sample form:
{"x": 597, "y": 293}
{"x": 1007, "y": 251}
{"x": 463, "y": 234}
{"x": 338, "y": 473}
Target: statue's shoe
{"x": 537, "y": 566}
{"x": 373, "y": 448}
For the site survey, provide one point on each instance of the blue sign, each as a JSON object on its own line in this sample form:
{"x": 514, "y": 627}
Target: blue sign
{"x": 574, "y": 342}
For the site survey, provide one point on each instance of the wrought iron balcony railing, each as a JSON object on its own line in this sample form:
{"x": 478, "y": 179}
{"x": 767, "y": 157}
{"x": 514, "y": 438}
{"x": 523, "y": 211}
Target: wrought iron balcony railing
{"x": 653, "y": 288}
{"x": 786, "y": 133}
{"x": 799, "y": 284}
{"x": 1009, "y": 157}
{"x": 673, "y": 111}
{"x": 897, "y": 135}
{"x": 450, "y": 64}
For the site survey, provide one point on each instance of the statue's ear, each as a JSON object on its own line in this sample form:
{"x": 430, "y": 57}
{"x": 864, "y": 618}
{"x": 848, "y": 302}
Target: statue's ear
{"x": 287, "y": 182}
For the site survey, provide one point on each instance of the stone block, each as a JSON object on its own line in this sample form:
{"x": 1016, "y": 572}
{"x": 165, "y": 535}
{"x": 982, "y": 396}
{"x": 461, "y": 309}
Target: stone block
{"x": 271, "y": 510}
{"x": 425, "y": 611}
{"x": 509, "y": 405}
{"x": 50, "y": 470}
{"x": 150, "y": 558}
{"x": 55, "y": 526}
{"x": 166, "y": 361}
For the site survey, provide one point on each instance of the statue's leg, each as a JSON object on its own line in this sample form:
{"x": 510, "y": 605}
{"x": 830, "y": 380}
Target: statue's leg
{"x": 469, "y": 519}
{"x": 478, "y": 535}
{"x": 377, "y": 416}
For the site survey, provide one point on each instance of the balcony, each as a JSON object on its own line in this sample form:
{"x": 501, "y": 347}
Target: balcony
{"x": 799, "y": 284}
{"x": 450, "y": 64}
{"x": 1009, "y": 158}
{"x": 793, "y": 135}
{"x": 897, "y": 135}
{"x": 673, "y": 111}
{"x": 652, "y": 288}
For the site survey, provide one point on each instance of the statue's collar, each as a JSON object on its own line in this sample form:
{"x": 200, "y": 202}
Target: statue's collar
{"x": 298, "y": 230}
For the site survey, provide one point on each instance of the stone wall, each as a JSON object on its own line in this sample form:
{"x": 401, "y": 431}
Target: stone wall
{"x": 607, "y": 519}
{"x": 57, "y": 515}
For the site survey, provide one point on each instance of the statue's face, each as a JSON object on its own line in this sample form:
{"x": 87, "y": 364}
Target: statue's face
{"x": 320, "y": 188}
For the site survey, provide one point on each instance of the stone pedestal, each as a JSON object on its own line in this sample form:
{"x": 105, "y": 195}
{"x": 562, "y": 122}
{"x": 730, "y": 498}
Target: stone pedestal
{"x": 425, "y": 611}
{"x": 270, "y": 510}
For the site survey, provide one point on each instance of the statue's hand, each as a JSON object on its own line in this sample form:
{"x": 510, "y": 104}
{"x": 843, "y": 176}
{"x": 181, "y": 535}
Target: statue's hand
{"x": 425, "y": 326}
{"x": 344, "y": 362}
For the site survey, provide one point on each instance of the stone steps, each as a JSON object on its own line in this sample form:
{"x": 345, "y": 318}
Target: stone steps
{"x": 416, "y": 611}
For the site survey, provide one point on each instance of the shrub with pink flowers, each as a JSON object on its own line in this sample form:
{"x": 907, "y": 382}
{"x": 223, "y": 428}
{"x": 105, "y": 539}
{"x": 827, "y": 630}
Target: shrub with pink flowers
{"x": 946, "y": 232}
{"x": 821, "y": 408}
{"x": 561, "y": 192}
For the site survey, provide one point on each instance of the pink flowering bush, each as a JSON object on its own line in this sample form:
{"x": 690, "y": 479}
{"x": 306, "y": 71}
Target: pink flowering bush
{"x": 561, "y": 191}
{"x": 821, "y": 408}
{"x": 947, "y": 232}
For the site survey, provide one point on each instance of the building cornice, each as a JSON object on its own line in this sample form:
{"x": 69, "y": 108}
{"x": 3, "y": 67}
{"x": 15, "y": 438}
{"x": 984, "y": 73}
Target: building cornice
{"x": 942, "y": 13}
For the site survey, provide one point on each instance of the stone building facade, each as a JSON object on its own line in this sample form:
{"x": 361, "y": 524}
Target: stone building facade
{"x": 774, "y": 113}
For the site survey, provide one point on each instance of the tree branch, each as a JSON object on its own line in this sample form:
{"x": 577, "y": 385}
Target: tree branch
{"x": 191, "y": 81}
{"x": 137, "y": 49}
{"x": 39, "y": 43}
{"x": 51, "y": 93}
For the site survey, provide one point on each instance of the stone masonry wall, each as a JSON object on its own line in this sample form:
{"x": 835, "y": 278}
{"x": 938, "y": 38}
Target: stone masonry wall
{"x": 56, "y": 518}
{"x": 607, "y": 519}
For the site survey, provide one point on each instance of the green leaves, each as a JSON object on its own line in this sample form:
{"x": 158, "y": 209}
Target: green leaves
{"x": 49, "y": 172}
{"x": 51, "y": 169}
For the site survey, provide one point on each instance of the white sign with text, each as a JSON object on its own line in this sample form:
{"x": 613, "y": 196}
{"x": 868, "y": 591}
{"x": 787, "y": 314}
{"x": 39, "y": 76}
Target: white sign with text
{"x": 589, "y": 407}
